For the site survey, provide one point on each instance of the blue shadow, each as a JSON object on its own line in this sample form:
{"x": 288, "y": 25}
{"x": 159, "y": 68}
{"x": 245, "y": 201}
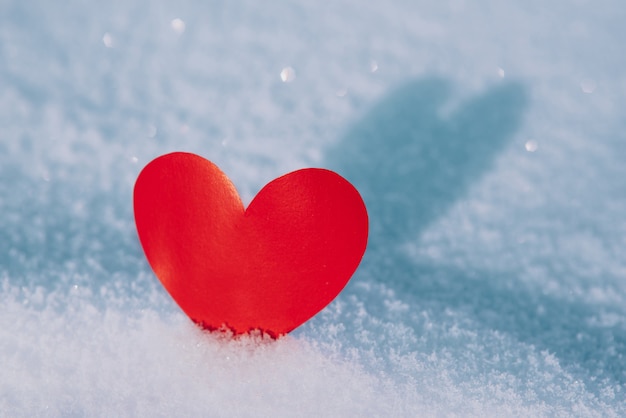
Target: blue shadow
{"x": 411, "y": 162}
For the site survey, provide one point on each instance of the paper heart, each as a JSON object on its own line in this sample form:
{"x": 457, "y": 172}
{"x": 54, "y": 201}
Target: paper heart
{"x": 271, "y": 266}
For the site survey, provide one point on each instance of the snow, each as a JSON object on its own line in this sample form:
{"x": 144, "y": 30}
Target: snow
{"x": 487, "y": 139}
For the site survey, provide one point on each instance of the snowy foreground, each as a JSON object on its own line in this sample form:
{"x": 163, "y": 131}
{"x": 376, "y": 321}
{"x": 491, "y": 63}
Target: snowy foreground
{"x": 487, "y": 138}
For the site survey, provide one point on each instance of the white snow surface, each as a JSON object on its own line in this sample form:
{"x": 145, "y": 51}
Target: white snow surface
{"x": 486, "y": 137}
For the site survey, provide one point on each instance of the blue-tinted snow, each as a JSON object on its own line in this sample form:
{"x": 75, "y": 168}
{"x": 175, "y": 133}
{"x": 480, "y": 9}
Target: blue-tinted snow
{"x": 486, "y": 138}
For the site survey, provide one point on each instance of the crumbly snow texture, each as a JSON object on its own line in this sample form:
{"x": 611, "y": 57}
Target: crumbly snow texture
{"x": 487, "y": 139}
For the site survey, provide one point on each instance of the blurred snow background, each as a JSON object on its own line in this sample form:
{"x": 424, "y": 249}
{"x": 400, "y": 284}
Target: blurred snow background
{"x": 487, "y": 139}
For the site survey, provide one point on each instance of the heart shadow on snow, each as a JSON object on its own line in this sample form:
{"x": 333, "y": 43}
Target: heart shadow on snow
{"x": 411, "y": 162}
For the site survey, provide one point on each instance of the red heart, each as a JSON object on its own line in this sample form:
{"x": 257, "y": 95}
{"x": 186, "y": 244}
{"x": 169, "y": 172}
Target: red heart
{"x": 269, "y": 267}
